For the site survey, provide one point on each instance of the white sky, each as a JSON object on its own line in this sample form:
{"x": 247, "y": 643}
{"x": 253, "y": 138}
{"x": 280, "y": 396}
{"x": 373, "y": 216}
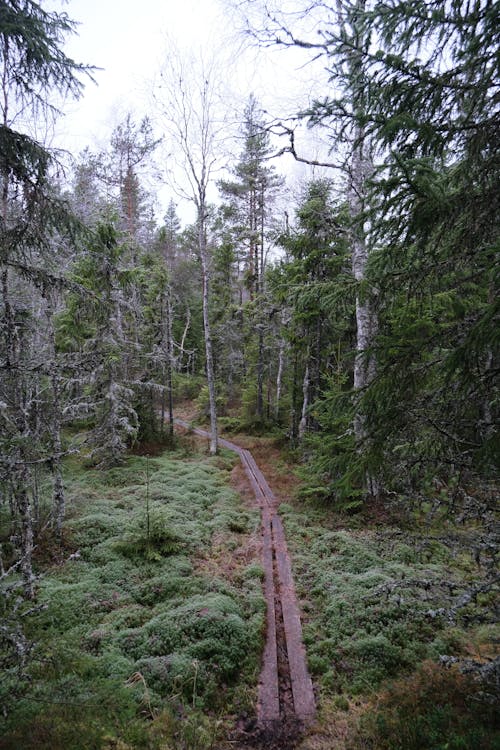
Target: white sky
{"x": 129, "y": 41}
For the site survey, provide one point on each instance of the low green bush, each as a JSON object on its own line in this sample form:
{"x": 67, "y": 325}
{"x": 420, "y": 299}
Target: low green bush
{"x": 152, "y": 537}
{"x": 436, "y": 708}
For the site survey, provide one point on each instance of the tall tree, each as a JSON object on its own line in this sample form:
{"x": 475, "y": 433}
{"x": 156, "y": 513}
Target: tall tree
{"x": 424, "y": 95}
{"x": 189, "y": 112}
{"x": 32, "y": 66}
{"x": 249, "y": 199}
{"x": 349, "y": 67}
{"x": 92, "y": 325}
{"x": 249, "y": 196}
{"x": 131, "y": 145}
{"x": 314, "y": 283}
{"x": 169, "y": 235}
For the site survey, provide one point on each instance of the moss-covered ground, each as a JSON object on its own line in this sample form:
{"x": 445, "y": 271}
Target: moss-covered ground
{"x": 397, "y": 607}
{"x": 150, "y": 620}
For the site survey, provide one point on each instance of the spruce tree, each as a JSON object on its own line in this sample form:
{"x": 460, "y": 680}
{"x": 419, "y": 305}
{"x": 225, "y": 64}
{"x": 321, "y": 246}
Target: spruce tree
{"x": 248, "y": 206}
{"x": 32, "y": 67}
{"x": 92, "y": 325}
{"x": 416, "y": 90}
{"x": 315, "y": 285}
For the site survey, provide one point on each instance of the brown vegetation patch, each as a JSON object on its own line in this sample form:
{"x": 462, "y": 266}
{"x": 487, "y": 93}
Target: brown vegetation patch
{"x": 269, "y": 458}
{"x": 150, "y": 448}
{"x": 281, "y": 735}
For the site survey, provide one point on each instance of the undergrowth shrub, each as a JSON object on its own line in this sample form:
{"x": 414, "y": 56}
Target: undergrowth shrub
{"x": 152, "y": 537}
{"x": 176, "y": 673}
{"x": 436, "y": 708}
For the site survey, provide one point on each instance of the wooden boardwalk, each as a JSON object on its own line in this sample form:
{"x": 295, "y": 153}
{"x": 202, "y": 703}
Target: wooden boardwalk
{"x": 283, "y": 614}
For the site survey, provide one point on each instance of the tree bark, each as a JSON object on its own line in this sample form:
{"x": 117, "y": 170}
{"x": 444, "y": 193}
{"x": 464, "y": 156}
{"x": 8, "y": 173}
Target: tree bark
{"x": 209, "y": 362}
{"x": 279, "y": 377}
{"x": 366, "y": 319}
{"x": 305, "y": 403}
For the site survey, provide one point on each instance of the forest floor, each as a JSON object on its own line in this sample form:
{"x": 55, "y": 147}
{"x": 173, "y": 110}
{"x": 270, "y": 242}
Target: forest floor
{"x": 400, "y": 613}
{"x": 152, "y": 616}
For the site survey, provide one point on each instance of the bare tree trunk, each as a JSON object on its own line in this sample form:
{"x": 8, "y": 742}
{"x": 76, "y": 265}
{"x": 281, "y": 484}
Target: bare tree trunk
{"x": 170, "y": 394}
{"x": 305, "y": 403}
{"x": 24, "y": 509}
{"x": 186, "y": 329}
{"x": 35, "y": 496}
{"x": 279, "y": 377}
{"x": 59, "y": 498}
{"x": 190, "y": 116}
{"x": 260, "y": 374}
{"x": 295, "y": 400}
{"x": 366, "y": 316}
{"x": 208, "y": 336}
{"x": 366, "y": 319}
{"x": 359, "y": 263}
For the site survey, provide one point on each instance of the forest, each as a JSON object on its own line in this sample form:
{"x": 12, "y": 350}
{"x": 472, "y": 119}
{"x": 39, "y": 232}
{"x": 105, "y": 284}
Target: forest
{"x": 344, "y": 332}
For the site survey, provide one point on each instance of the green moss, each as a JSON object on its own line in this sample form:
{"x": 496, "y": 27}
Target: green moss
{"x": 123, "y": 634}
{"x": 255, "y": 570}
{"x": 370, "y": 595}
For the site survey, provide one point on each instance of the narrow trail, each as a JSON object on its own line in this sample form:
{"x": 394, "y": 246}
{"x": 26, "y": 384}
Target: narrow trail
{"x": 285, "y": 688}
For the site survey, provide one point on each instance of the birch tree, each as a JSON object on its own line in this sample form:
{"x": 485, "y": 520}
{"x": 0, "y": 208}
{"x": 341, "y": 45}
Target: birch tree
{"x": 354, "y": 41}
{"x": 187, "y": 100}
{"x": 337, "y": 34}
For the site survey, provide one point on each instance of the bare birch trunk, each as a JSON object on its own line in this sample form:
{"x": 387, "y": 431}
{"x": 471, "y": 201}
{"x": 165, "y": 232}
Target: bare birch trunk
{"x": 359, "y": 263}
{"x": 305, "y": 403}
{"x": 279, "y": 377}
{"x": 208, "y": 335}
{"x": 366, "y": 319}
{"x": 366, "y": 316}
{"x": 186, "y": 329}
{"x": 190, "y": 115}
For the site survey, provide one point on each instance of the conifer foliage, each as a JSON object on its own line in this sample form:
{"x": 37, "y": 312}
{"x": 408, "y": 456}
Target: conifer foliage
{"x": 32, "y": 217}
{"x": 411, "y": 110}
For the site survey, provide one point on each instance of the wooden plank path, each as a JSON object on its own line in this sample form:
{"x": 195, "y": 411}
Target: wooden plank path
{"x": 281, "y": 601}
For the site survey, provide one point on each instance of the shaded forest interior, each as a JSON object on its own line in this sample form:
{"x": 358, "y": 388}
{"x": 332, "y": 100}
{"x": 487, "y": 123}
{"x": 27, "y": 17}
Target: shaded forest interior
{"x": 346, "y": 330}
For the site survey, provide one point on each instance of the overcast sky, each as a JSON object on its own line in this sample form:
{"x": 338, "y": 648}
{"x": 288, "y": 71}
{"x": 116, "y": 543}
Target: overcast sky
{"x": 129, "y": 40}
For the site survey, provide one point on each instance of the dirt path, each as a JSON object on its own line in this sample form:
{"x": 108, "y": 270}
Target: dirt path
{"x": 286, "y": 699}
